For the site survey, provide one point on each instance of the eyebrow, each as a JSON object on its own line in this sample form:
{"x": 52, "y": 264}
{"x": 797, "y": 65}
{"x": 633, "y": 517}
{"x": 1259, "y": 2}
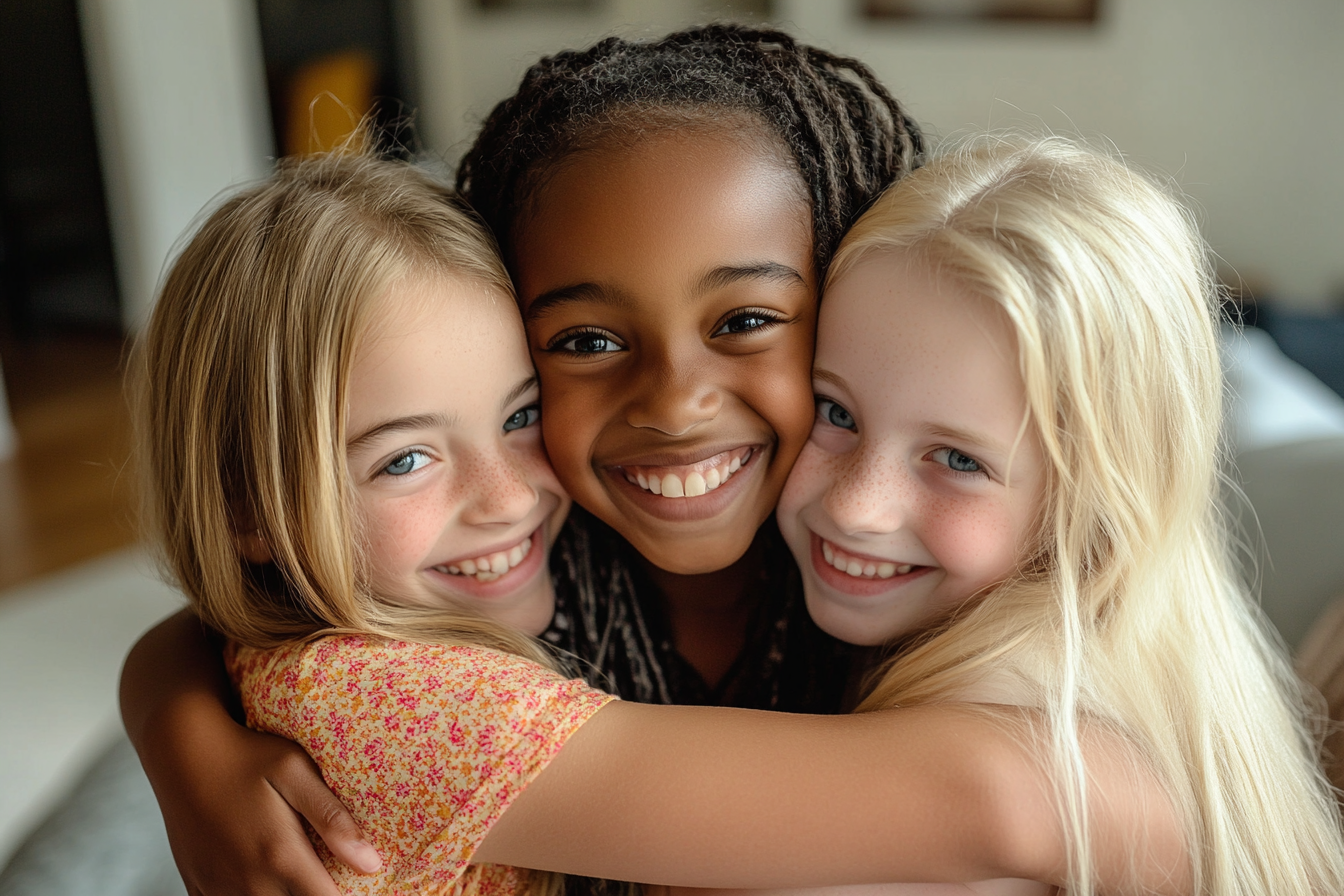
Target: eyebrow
{"x": 432, "y": 421}
{"x": 718, "y": 278}
{"x": 726, "y": 275}
{"x": 938, "y": 429}
{"x": 400, "y": 424}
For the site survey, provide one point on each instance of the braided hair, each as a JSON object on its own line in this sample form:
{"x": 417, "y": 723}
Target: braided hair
{"x": 845, "y": 132}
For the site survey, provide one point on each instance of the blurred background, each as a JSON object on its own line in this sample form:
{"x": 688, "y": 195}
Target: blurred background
{"x": 121, "y": 119}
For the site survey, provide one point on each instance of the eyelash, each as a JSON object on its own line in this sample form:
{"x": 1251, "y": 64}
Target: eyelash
{"x": 382, "y": 471}
{"x": 980, "y": 473}
{"x": 557, "y": 344}
{"x": 767, "y": 317}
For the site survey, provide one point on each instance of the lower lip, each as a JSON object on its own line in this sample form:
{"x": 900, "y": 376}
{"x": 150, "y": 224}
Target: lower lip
{"x": 701, "y": 507}
{"x": 859, "y": 587}
{"x": 512, "y": 581}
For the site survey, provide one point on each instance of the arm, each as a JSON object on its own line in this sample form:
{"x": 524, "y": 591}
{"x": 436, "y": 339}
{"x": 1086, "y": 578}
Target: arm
{"x": 225, "y": 791}
{"x": 711, "y": 797}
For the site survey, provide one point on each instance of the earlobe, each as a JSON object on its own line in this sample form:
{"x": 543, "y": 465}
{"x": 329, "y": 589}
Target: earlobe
{"x": 253, "y": 547}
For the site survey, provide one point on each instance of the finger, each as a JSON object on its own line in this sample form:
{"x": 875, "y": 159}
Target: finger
{"x": 298, "y": 782}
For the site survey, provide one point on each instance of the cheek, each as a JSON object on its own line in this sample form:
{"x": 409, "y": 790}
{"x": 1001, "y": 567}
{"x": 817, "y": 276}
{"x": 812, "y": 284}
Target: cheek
{"x": 398, "y": 533}
{"x": 975, "y": 541}
{"x": 569, "y": 428}
{"x": 812, "y": 475}
{"x": 782, "y": 395}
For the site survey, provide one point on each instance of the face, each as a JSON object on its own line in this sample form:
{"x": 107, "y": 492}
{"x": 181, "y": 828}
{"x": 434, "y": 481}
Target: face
{"x": 458, "y": 503}
{"x": 914, "y": 492}
{"x": 670, "y": 303}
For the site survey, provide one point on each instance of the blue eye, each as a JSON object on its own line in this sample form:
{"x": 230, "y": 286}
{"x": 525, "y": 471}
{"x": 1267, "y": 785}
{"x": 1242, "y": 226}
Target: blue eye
{"x": 406, "y": 463}
{"x": 747, "y": 321}
{"x": 585, "y": 342}
{"x": 955, "y": 460}
{"x": 528, "y": 416}
{"x": 836, "y": 415}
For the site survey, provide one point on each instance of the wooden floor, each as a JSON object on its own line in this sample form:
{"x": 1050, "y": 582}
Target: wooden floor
{"x": 68, "y": 495}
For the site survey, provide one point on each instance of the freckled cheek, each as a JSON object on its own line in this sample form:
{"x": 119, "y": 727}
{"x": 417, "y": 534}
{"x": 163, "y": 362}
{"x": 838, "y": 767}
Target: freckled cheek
{"x": 401, "y": 534}
{"x": 977, "y": 545}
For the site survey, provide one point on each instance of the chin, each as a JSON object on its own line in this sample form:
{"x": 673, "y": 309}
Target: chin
{"x": 691, "y": 556}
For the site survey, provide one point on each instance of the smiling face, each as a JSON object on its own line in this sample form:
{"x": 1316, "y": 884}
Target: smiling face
{"x": 670, "y": 302}
{"x": 458, "y": 503}
{"x": 914, "y": 492}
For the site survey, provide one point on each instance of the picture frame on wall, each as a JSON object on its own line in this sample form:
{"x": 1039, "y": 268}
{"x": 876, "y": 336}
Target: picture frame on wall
{"x": 1060, "y": 11}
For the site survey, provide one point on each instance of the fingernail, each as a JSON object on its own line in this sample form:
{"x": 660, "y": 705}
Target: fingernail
{"x": 366, "y": 857}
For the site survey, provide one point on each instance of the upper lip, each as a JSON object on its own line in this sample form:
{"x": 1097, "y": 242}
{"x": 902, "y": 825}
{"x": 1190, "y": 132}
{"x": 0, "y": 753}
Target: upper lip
{"x": 684, "y": 457}
{"x": 860, "y": 555}
{"x": 492, "y": 549}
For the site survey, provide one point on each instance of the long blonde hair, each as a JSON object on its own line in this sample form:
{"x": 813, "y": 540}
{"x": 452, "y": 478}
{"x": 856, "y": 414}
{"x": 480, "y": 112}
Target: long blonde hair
{"x": 1129, "y": 612}
{"x": 241, "y": 381}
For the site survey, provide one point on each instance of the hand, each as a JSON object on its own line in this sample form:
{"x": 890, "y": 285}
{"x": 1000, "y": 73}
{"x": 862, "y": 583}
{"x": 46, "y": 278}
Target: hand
{"x": 232, "y": 808}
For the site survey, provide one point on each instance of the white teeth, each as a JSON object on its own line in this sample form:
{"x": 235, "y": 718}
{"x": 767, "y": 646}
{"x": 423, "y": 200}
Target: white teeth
{"x": 695, "y": 483}
{"x": 487, "y": 569}
{"x": 860, "y": 568}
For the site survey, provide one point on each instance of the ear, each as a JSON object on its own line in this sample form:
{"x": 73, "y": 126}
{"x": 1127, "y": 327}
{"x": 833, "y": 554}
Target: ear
{"x": 252, "y": 546}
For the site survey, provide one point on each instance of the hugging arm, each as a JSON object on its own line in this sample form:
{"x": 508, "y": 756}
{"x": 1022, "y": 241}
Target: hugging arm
{"x": 226, "y": 791}
{"x": 692, "y": 796}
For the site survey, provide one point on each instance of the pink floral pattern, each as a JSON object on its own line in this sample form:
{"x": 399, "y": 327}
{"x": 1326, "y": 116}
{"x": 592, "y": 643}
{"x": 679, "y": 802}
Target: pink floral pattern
{"x": 427, "y": 745}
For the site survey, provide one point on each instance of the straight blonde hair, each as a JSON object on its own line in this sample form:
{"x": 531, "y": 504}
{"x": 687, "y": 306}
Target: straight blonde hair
{"x": 241, "y": 382}
{"x": 1129, "y": 613}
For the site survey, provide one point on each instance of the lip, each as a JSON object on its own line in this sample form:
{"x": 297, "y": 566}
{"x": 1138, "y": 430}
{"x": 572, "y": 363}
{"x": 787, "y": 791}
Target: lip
{"x": 847, "y": 584}
{"x": 701, "y": 507}
{"x": 517, "y": 576}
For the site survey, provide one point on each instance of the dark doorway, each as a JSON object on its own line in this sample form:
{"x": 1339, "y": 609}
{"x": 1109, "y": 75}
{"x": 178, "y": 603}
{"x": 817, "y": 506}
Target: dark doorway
{"x": 56, "y": 263}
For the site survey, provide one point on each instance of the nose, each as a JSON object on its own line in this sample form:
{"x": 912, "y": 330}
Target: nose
{"x": 674, "y": 393}
{"x": 870, "y": 495}
{"x": 495, "y": 489}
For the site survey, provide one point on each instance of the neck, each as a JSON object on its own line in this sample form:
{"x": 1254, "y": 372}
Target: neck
{"x": 709, "y": 612}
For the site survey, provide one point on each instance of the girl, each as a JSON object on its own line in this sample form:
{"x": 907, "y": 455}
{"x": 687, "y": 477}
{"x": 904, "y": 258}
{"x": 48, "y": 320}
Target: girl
{"x": 1013, "y": 476}
{"x": 346, "y": 479}
{"x": 667, "y": 209}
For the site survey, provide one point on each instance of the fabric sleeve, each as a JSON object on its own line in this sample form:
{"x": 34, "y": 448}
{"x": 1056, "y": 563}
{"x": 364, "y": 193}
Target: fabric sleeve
{"x": 427, "y": 745}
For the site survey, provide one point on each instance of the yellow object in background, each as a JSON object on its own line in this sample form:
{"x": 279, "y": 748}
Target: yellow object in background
{"x": 327, "y": 99}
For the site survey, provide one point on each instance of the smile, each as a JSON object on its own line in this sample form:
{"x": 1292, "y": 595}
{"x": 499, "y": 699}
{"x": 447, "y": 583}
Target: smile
{"x": 861, "y": 567}
{"x": 690, "y": 480}
{"x": 489, "y": 567}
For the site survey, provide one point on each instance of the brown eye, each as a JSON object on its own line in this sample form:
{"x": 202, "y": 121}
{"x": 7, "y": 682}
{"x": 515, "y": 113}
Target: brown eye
{"x": 746, "y": 322}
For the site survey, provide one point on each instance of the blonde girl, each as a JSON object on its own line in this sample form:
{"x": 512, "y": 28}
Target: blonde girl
{"x": 1014, "y": 477}
{"x": 347, "y": 480}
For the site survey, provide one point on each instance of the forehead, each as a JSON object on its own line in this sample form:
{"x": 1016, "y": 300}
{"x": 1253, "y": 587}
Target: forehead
{"x": 904, "y": 334}
{"x": 670, "y": 205}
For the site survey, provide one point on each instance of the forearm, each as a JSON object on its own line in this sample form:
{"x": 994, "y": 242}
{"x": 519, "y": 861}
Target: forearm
{"x": 709, "y": 797}
{"x": 173, "y": 687}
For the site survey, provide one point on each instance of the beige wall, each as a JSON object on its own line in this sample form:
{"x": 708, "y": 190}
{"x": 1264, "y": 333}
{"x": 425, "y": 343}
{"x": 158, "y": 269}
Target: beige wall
{"x": 1241, "y": 100}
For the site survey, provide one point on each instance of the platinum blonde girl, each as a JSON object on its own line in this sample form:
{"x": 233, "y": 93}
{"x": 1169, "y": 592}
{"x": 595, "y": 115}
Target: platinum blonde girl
{"x": 1129, "y": 612}
{"x": 241, "y": 383}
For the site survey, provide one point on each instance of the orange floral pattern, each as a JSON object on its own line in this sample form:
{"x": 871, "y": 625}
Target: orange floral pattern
{"x": 427, "y": 745}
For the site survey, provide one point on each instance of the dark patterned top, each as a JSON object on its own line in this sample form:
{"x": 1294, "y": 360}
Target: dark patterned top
{"x": 611, "y": 623}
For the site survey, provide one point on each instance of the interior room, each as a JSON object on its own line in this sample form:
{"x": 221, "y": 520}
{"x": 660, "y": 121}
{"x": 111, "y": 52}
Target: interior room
{"x": 121, "y": 120}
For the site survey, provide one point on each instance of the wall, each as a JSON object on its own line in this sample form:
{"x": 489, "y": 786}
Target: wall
{"x": 1241, "y": 100}
{"x": 179, "y": 100}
